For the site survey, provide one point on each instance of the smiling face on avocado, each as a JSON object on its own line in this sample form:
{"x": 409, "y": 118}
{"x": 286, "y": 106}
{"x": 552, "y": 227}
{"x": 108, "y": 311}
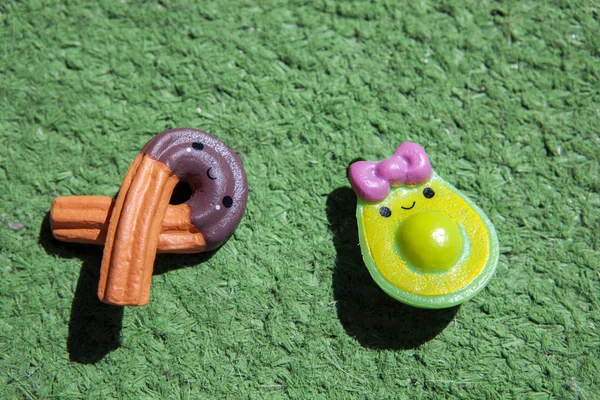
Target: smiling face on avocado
{"x": 424, "y": 243}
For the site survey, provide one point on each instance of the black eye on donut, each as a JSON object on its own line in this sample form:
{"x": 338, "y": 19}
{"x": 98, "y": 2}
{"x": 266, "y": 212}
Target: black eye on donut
{"x": 198, "y": 146}
{"x": 428, "y": 193}
{"x": 385, "y": 212}
{"x": 227, "y": 201}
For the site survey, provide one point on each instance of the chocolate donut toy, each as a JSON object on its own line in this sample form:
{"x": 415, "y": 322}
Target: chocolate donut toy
{"x": 141, "y": 221}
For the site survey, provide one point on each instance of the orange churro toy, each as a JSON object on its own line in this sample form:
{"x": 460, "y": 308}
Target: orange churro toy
{"x": 141, "y": 221}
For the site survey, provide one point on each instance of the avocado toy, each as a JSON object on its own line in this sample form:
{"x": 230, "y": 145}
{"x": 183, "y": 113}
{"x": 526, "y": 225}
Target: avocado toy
{"x": 424, "y": 242}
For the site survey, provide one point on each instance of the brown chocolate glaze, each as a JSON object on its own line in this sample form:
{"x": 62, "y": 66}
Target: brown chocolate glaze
{"x": 215, "y": 174}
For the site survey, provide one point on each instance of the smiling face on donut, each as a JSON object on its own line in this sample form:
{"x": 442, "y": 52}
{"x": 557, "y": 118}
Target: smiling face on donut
{"x": 215, "y": 175}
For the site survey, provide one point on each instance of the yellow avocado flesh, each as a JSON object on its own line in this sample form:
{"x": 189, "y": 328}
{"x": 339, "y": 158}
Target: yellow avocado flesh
{"x": 430, "y": 241}
{"x": 396, "y": 242}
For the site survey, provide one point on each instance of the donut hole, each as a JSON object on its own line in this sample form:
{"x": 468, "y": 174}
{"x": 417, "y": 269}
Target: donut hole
{"x": 181, "y": 193}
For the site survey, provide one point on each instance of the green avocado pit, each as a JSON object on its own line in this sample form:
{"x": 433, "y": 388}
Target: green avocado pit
{"x": 429, "y": 241}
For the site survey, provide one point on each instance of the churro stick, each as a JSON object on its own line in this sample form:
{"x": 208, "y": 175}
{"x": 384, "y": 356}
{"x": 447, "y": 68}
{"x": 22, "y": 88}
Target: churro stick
{"x": 133, "y": 232}
{"x": 84, "y": 219}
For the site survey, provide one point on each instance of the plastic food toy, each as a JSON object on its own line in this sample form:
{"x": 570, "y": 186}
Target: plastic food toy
{"x": 424, "y": 242}
{"x": 141, "y": 221}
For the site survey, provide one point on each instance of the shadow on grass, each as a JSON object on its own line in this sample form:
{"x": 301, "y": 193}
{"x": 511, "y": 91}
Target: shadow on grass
{"x": 95, "y": 327}
{"x": 367, "y": 313}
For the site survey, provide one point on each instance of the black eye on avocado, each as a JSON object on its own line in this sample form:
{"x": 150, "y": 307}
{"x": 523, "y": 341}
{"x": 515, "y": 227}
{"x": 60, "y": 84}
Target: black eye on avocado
{"x": 428, "y": 193}
{"x": 385, "y": 212}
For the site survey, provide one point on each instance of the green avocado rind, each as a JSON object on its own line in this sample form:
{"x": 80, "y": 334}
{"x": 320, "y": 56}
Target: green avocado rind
{"x": 444, "y": 300}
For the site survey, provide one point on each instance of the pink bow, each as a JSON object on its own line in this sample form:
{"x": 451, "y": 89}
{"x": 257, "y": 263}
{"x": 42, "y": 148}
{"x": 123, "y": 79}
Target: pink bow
{"x": 372, "y": 181}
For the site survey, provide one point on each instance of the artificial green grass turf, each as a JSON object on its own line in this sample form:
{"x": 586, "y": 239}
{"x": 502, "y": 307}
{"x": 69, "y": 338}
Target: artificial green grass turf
{"x": 503, "y": 96}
